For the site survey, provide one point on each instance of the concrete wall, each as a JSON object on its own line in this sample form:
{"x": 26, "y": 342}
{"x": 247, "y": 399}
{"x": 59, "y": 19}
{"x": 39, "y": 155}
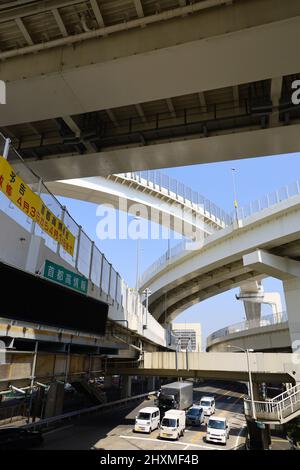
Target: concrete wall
{"x": 15, "y": 244}
{"x": 266, "y": 338}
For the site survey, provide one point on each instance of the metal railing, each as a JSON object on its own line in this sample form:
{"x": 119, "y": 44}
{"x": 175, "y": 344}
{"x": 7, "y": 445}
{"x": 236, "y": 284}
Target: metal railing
{"x": 8, "y": 414}
{"x": 156, "y": 180}
{"x": 267, "y": 320}
{"x": 278, "y": 409}
{"x": 269, "y": 200}
{"x": 44, "y": 424}
{"x": 259, "y": 205}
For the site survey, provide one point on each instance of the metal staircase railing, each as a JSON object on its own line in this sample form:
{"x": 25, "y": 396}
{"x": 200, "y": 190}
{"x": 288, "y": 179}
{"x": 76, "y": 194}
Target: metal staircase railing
{"x": 279, "y": 409}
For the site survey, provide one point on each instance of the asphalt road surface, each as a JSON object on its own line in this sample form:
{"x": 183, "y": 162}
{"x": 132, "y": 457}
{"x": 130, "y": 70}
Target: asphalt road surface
{"x": 114, "y": 430}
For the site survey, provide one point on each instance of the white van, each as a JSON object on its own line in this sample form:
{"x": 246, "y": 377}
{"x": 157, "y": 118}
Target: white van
{"x": 147, "y": 420}
{"x": 208, "y": 404}
{"x": 217, "y": 430}
{"x": 173, "y": 424}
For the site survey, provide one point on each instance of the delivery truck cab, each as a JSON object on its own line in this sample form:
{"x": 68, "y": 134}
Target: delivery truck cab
{"x": 172, "y": 425}
{"x": 217, "y": 430}
{"x": 147, "y": 420}
{"x": 208, "y": 405}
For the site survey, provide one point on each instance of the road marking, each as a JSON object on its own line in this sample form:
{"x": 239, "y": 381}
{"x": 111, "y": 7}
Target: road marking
{"x": 168, "y": 442}
{"x": 232, "y": 404}
{"x": 198, "y": 436}
{"x": 238, "y": 438}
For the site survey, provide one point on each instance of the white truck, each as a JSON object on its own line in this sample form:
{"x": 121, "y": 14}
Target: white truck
{"x": 217, "y": 430}
{"x": 208, "y": 405}
{"x": 147, "y": 420}
{"x": 175, "y": 396}
{"x": 172, "y": 425}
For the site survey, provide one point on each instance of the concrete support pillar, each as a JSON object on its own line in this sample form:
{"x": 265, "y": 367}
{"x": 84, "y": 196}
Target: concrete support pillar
{"x": 126, "y": 387}
{"x": 108, "y": 381}
{"x": 257, "y": 394}
{"x": 292, "y": 297}
{"x": 259, "y": 435}
{"x": 150, "y": 384}
{"x": 55, "y": 400}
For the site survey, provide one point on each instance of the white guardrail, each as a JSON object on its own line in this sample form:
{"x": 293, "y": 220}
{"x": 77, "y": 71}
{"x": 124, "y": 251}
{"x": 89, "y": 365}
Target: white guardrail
{"x": 43, "y": 424}
{"x": 154, "y": 179}
{"x": 267, "y": 320}
{"x": 259, "y": 205}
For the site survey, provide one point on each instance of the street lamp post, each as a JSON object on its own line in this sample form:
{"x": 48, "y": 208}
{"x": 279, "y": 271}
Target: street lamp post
{"x": 138, "y": 252}
{"x": 233, "y": 170}
{"x": 247, "y": 351}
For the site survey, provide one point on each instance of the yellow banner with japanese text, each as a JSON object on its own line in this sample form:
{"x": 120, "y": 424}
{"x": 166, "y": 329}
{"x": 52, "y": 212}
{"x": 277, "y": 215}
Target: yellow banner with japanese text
{"x": 34, "y": 207}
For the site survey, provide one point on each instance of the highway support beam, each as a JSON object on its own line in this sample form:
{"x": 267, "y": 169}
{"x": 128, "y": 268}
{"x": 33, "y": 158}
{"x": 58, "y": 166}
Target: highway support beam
{"x": 288, "y": 270}
{"x": 272, "y": 265}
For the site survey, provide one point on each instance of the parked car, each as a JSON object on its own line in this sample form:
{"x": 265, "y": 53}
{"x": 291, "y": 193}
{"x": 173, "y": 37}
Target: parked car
{"x": 217, "y": 430}
{"x": 19, "y": 438}
{"x": 173, "y": 424}
{"x": 195, "y": 416}
{"x": 208, "y": 404}
{"x": 147, "y": 420}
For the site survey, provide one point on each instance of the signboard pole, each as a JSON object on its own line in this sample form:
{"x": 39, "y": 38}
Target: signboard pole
{"x": 39, "y": 194}
{"x": 101, "y": 272}
{"x": 78, "y": 246}
{"x": 91, "y": 260}
{"x": 6, "y": 148}
{"x": 63, "y": 213}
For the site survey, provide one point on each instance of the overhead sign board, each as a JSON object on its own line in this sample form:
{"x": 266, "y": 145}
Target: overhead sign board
{"x": 55, "y": 272}
{"x": 34, "y": 207}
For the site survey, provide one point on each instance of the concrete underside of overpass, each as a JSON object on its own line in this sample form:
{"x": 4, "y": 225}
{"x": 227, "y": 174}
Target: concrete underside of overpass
{"x": 111, "y": 95}
{"x": 45, "y": 354}
{"x": 50, "y": 366}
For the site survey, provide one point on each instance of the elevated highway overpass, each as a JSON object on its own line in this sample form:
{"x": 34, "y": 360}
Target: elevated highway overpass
{"x": 221, "y": 263}
{"x": 155, "y": 196}
{"x": 265, "y": 367}
{"x": 265, "y": 334}
{"x": 83, "y": 111}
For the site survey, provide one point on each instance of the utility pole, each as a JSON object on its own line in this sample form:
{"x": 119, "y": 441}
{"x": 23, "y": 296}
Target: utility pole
{"x": 146, "y": 293}
{"x": 233, "y": 170}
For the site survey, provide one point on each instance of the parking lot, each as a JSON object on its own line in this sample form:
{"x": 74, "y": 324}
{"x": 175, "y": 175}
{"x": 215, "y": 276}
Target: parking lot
{"x": 114, "y": 430}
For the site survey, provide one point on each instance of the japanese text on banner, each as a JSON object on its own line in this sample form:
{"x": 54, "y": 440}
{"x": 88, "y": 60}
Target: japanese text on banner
{"x": 33, "y": 206}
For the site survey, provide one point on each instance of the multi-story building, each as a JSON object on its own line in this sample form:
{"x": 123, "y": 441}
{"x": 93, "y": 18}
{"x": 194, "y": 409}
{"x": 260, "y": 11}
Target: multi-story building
{"x": 189, "y": 336}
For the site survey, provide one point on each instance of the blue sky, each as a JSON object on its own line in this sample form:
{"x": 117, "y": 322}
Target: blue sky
{"x": 254, "y": 177}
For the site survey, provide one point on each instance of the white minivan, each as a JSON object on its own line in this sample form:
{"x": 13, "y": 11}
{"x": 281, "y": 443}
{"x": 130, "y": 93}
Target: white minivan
{"x": 208, "y": 404}
{"x": 147, "y": 420}
{"x": 217, "y": 430}
{"x": 173, "y": 424}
